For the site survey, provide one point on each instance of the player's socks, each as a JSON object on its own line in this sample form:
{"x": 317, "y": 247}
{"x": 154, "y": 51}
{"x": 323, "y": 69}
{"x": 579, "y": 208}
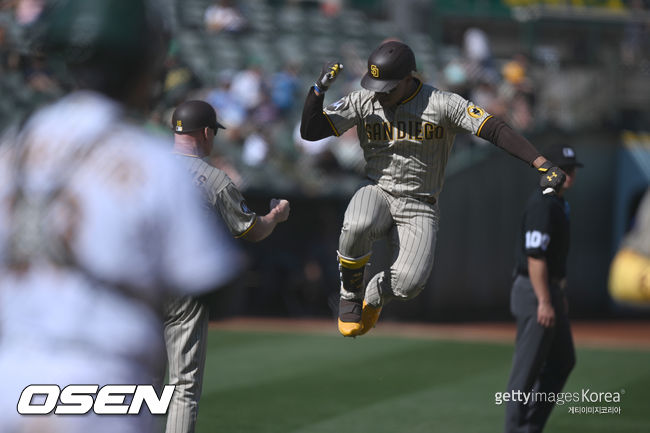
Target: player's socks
{"x": 352, "y": 291}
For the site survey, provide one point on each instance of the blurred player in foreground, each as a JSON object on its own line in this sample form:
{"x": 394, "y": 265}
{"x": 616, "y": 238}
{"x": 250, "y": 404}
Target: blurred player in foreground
{"x": 544, "y": 353}
{"x": 98, "y": 224}
{"x": 406, "y": 130}
{"x": 629, "y": 277}
{"x": 195, "y": 126}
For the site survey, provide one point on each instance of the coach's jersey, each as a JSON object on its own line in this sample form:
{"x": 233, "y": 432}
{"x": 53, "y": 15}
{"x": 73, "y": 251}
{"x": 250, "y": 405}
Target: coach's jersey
{"x": 544, "y": 234}
{"x": 221, "y": 194}
{"x": 98, "y": 224}
{"x": 406, "y": 149}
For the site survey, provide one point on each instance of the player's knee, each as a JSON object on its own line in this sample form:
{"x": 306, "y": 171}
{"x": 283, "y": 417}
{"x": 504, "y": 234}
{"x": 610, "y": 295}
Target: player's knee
{"x": 405, "y": 292}
{"x": 358, "y": 228}
{"x": 407, "y": 285}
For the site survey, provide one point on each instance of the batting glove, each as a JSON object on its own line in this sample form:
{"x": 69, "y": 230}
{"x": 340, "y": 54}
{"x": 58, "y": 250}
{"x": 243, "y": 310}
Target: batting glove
{"x": 328, "y": 75}
{"x": 552, "y": 177}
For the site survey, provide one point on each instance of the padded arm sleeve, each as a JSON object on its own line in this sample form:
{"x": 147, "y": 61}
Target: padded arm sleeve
{"x": 314, "y": 125}
{"x": 502, "y": 135}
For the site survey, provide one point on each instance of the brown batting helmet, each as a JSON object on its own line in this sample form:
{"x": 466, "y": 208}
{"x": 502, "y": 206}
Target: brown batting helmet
{"x": 193, "y": 116}
{"x": 390, "y": 63}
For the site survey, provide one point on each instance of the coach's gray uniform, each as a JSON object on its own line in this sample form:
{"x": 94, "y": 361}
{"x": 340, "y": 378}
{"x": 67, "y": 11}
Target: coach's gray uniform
{"x": 186, "y": 320}
{"x": 406, "y": 151}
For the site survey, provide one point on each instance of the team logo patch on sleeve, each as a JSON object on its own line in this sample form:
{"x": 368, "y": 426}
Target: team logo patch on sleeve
{"x": 200, "y": 180}
{"x": 336, "y": 106}
{"x": 475, "y": 112}
{"x": 244, "y": 207}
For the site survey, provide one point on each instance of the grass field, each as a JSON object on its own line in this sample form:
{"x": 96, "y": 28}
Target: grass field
{"x": 282, "y": 382}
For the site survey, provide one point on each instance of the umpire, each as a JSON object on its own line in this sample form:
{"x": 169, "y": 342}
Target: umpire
{"x": 544, "y": 353}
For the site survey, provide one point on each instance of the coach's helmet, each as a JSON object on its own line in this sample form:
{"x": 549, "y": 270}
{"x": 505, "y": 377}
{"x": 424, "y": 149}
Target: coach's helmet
{"x": 193, "y": 116}
{"x": 390, "y": 63}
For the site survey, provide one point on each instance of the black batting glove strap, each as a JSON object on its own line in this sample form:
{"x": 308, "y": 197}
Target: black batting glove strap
{"x": 545, "y": 167}
{"x": 552, "y": 176}
{"x": 328, "y": 75}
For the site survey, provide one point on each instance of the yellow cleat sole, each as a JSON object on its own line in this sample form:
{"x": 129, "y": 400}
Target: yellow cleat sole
{"x": 350, "y": 329}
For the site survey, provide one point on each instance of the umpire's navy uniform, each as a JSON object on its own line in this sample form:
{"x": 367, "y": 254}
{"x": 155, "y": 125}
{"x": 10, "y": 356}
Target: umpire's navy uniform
{"x": 543, "y": 357}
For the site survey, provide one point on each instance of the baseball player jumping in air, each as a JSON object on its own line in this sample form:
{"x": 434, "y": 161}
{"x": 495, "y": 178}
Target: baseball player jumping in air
{"x": 186, "y": 324}
{"x": 406, "y": 129}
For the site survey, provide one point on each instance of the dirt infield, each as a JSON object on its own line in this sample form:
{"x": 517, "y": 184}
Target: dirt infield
{"x": 614, "y": 334}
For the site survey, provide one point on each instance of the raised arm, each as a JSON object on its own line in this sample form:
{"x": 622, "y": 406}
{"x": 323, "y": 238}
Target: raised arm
{"x": 314, "y": 124}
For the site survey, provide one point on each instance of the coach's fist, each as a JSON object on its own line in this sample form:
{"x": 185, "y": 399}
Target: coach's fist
{"x": 328, "y": 75}
{"x": 279, "y": 210}
{"x": 552, "y": 177}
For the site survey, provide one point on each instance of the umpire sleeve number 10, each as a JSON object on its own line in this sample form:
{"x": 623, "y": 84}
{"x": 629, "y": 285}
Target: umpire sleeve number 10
{"x": 536, "y": 239}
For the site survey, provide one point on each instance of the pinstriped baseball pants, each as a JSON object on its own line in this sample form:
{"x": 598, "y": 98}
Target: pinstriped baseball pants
{"x": 411, "y": 227}
{"x": 186, "y": 332}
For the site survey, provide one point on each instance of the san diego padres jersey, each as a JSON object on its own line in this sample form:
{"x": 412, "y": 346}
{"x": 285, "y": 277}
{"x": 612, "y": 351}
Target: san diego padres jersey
{"x": 406, "y": 148}
{"x": 221, "y": 194}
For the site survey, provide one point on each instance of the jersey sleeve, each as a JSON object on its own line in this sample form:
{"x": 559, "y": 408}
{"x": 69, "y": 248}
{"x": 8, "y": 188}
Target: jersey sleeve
{"x": 537, "y": 229}
{"x": 224, "y": 198}
{"x": 464, "y": 115}
{"x": 342, "y": 114}
{"x": 235, "y": 212}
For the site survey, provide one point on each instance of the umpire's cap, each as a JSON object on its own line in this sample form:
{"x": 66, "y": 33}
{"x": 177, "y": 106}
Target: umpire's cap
{"x": 563, "y": 155}
{"x": 387, "y": 66}
{"x": 193, "y": 116}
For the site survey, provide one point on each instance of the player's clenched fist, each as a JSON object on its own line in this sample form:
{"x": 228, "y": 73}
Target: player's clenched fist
{"x": 552, "y": 176}
{"x": 279, "y": 209}
{"x": 328, "y": 75}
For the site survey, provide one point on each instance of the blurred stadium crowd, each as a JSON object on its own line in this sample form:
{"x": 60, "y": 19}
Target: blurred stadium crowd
{"x": 253, "y": 60}
{"x": 541, "y": 65}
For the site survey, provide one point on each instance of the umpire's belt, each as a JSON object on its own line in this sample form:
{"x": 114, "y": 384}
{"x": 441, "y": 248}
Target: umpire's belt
{"x": 554, "y": 281}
